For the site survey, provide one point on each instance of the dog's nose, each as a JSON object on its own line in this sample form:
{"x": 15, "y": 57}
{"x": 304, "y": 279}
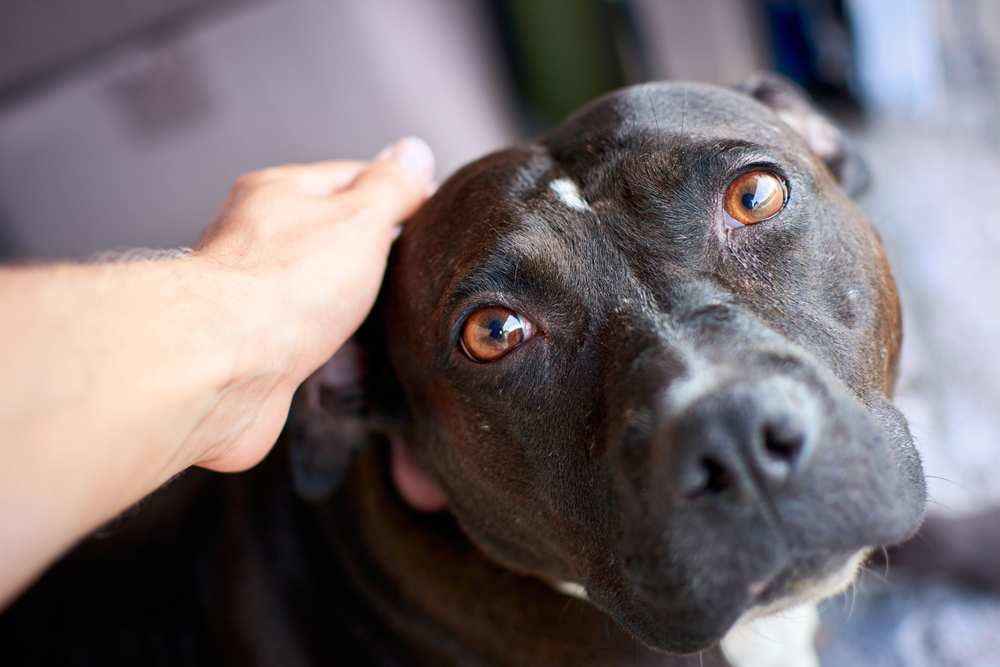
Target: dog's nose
{"x": 741, "y": 441}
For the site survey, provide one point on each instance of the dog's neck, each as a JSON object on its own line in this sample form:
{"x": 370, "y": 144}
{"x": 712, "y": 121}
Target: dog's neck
{"x": 451, "y": 604}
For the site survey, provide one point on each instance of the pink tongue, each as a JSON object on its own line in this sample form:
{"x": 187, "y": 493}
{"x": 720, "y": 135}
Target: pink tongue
{"x": 412, "y": 483}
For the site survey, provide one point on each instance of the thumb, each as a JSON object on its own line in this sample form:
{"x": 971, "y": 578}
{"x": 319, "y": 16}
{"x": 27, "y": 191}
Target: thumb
{"x": 395, "y": 183}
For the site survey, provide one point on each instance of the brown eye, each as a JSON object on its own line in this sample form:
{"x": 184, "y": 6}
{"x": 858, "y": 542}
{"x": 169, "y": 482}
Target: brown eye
{"x": 492, "y": 332}
{"x": 753, "y": 197}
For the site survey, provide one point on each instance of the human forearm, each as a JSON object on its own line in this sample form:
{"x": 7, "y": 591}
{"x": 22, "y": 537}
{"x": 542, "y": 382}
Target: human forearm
{"x": 110, "y": 373}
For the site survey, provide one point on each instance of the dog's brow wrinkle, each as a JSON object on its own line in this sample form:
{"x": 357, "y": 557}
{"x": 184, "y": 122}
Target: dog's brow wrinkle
{"x": 569, "y": 194}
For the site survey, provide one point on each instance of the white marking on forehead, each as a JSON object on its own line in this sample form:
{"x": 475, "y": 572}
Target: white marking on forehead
{"x": 569, "y": 194}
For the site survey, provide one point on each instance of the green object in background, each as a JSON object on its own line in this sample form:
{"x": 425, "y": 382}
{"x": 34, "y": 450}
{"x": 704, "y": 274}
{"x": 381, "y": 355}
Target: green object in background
{"x": 563, "y": 52}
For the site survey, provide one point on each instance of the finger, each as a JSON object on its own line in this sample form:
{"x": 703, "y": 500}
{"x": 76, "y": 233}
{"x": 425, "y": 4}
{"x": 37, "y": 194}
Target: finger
{"x": 394, "y": 184}
{"x": 322, "y": 179}
{"x": 414, "y": 154}
{"x": 319, "y": 179}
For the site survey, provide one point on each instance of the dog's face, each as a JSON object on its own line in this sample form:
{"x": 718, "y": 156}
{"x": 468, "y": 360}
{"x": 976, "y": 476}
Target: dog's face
{"x": 616, "y": 384}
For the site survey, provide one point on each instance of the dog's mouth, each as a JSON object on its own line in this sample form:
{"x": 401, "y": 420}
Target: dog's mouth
{"x": 788, "y": 589}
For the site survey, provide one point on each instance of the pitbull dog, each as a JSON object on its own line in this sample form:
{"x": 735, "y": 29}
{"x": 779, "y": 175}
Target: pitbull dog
{"x": 625, "y": 386}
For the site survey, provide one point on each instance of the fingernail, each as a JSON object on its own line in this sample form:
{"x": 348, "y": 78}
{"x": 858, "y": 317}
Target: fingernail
{"x": 414, "y": 154}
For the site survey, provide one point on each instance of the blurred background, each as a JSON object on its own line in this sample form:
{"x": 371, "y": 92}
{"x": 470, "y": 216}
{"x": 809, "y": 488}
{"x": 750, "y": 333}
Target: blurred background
{"x": 123, "y": 123}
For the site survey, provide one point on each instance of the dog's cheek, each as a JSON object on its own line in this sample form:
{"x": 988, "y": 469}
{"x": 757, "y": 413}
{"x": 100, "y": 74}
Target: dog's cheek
{"x": 414, "y": 486}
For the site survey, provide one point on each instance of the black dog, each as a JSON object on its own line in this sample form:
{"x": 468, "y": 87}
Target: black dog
{"x": 646, "y": 359}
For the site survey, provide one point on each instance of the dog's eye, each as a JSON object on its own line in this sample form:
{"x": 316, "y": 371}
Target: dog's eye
{"x": 752, "y": 197}
{"x": 492, "y": 332}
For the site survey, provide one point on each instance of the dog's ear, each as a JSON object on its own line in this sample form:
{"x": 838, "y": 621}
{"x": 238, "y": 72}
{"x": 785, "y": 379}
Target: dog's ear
{"x": 328, "y": 422}
{"x": 828, "y": 141}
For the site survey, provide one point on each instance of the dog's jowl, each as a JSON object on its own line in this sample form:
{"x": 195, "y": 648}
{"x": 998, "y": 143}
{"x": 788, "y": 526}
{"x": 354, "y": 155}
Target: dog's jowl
{"x": 625, "y": 387}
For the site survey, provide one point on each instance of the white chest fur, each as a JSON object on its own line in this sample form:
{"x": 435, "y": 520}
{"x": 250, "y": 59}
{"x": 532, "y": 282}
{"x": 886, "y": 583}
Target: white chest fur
{"x": 784, "y": 639}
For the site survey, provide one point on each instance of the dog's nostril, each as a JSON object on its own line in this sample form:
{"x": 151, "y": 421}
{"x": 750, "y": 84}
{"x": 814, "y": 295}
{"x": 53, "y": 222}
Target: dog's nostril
{"x": 716, "y": 477}
{"x": 706, "y": 477}
{"x": 782, "y": 445}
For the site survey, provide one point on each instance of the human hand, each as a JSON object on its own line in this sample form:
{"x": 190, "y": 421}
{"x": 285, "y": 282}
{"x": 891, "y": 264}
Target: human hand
{"x": 303, "y": 249}
{"x": 119, "y": 376}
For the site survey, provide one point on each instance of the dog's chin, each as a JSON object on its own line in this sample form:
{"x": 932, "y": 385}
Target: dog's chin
{"x": 662, "y": 625}
{"x": 413, "y": 485}
{"x": 675, "y": 633}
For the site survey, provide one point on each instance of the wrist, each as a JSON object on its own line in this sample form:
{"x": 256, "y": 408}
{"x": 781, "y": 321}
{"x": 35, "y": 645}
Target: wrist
{"x": 255, "y": 332}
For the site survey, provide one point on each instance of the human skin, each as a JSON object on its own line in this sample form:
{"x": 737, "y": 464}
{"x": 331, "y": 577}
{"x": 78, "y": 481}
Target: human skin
{"x": 116, "y": 377}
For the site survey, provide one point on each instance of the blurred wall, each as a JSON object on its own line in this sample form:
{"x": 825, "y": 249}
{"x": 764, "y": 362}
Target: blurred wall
{"x": 929, "y": 78}
{"x": 47, "y": 39}
{"x": 718, "y": 41}
{"x": 140, "y": 144}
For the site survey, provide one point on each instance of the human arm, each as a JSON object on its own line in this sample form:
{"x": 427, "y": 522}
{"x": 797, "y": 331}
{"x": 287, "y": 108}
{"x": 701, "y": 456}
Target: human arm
{"x": 116, "y": 377}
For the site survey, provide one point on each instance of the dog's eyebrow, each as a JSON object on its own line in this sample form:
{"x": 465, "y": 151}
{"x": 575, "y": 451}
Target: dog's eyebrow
{"x": 509, "y": 271}
{"x": 497, "y": 277}
{"x": 743, "y": 151}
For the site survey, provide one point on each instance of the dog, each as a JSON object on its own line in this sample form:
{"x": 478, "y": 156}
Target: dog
{"x": 626, "y": 386}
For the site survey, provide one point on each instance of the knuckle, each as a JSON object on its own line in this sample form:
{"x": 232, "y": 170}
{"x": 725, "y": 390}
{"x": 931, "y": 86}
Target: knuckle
{"x": 388, "y": 184}
{"x": 392, "y": 173}
{"x": 257, "y": 178}
{"x": 247, "y": 181}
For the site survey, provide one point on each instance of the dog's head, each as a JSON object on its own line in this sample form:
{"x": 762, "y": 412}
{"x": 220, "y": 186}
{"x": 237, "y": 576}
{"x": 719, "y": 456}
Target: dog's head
{"x": 651, "y": 354}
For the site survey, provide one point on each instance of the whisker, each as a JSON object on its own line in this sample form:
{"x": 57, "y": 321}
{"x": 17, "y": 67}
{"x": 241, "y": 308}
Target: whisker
{"x": 569, "y": 601}
{"x": 950, "y": 481}
{"x": 932, "y": 501}
{"x": 854, "y": 600}
{"x": 882, "y": 578}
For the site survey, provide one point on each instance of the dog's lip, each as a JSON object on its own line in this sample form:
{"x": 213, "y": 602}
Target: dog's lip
{"x": 766, "y": 596}
{"x": 782, "y": 590}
